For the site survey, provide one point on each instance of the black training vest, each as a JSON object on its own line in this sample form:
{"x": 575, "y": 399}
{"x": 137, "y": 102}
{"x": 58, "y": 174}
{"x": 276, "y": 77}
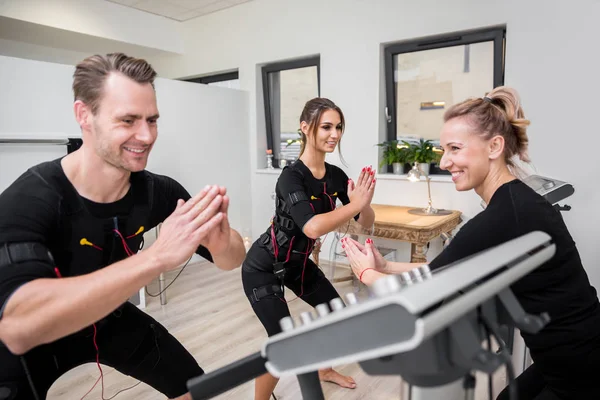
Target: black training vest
{"x": 322, "y": 194}
{"x": 85, "y": 243}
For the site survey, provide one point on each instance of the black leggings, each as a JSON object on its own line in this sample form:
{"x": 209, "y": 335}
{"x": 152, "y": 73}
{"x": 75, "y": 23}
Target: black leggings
{"x": 257, "y": 271}
{"x": 129, "y": 340}
{"x": 577, "y": 384}
{"x": 530, "y": 386}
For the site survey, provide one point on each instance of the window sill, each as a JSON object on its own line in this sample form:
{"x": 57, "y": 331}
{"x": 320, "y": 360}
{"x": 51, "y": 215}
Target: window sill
{"x": 266, "y": 171}
{"x": 434, "y": 178}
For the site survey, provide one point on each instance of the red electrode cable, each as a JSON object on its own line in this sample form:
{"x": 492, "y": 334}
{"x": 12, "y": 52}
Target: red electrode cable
{"x": 56, "y": 270}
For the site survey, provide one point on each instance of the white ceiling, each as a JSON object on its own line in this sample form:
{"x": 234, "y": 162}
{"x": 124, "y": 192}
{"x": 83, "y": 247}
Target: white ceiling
{"x": 179, "y": 10}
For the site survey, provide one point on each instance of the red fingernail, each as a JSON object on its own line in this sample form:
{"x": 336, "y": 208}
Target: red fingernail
{"x": 372, "y": 172}
{"x": 343, "y": 247}
{"x": 363, "y": 169}
{"x": 373, "y": 180}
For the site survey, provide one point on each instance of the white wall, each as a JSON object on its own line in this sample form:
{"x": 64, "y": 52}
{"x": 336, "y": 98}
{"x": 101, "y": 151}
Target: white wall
{"x": 198, "y": 143}
{"x": 36, "y": 97}
{"x": 548, "y": 59}
{"x": 17, "y": 49}
{"x": 35, "y": 101}
{"x": 98, "y": 18}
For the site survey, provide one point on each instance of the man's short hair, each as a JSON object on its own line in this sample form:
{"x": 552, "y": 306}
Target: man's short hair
{"x": 91, "y": 73}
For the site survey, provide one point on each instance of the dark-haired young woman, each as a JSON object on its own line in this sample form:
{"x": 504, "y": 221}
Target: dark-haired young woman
{"x": 307, "y": 191}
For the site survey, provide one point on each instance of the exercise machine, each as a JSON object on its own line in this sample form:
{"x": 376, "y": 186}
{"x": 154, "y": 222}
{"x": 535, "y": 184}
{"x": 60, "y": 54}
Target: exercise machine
{"x": 429, "y": 328}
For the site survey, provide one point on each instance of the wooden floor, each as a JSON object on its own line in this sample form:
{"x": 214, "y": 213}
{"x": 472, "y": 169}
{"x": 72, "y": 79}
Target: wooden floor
{"x": 208, "y": 312}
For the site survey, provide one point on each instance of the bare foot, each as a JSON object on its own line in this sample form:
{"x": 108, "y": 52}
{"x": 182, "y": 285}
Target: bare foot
{"x": 329, "y": 375}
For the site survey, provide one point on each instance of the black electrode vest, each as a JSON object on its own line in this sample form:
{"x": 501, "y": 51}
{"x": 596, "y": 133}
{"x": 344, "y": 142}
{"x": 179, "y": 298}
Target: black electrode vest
{"x": 315, "y": 192}
{"x": 85, "y": 243}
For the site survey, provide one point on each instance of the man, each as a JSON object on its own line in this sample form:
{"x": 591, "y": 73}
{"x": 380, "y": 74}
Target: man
{"x": 70, "y": 231}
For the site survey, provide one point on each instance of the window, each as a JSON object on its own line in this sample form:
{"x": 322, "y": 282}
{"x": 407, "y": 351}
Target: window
{"x": 426, "y": 76}
{"x": 229, "y": 80}
{"x": 287, "y": 86}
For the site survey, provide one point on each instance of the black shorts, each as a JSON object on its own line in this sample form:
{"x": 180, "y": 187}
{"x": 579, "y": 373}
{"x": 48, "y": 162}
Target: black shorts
{"x": 307, "y": 282}
{"x": 129, "y": 340}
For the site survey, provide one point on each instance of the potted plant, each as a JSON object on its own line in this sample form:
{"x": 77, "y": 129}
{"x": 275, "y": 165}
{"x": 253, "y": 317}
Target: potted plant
{"x": 422, "y": 153}
{"x": 395, "y": 154}
{"x": 294, "y": 141}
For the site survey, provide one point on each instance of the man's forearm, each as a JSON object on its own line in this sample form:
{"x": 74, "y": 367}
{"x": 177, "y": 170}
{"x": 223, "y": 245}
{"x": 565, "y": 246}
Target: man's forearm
{"x": 44, "y": 310}
{"x": 234, "y": 256}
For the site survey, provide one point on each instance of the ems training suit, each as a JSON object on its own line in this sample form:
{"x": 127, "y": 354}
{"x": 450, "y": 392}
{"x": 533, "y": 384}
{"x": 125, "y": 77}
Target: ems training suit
{"x": 280, "y": 257}
{"x": 42, "y": 212}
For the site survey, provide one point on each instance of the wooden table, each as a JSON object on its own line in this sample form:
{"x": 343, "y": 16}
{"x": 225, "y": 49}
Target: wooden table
{"x": 396, "y": 223}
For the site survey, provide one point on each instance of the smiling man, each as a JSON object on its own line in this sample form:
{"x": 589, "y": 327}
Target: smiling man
{"x": 70, "y": 231}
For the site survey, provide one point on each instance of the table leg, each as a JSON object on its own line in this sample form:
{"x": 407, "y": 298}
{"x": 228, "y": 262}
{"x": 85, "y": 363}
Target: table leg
{"x": 417, "y": 253}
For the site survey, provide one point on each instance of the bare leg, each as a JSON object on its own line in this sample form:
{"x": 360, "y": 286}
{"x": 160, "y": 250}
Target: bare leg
{"x": 264, "y": 386}
{"x": 329, "y": 375}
